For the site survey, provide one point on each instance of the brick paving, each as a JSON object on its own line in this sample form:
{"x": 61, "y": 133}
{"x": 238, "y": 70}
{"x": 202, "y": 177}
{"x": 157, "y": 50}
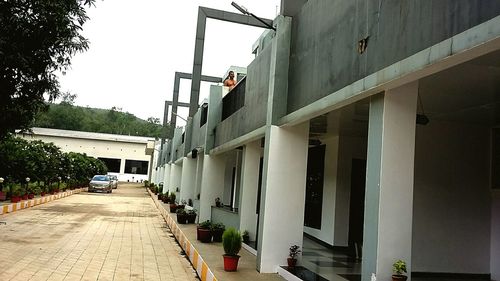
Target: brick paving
{"x": 118, "y": 236}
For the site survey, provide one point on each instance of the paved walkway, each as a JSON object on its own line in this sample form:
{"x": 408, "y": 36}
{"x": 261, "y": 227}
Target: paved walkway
{"x": 118, "y": 236}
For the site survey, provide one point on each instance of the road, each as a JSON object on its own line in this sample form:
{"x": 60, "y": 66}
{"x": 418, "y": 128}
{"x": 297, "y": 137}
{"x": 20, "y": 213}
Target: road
{"x": 90, "y": 236}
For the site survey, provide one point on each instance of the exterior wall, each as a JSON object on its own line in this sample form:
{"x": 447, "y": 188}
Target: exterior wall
{"x": 101, "y": 148}
{"x": 325, "y": 35}
{"x": 452, "y": 209}
{"x": 253, "y": 115}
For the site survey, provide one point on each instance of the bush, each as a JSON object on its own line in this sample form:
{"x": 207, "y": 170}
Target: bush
{"x": 231, "y": 241}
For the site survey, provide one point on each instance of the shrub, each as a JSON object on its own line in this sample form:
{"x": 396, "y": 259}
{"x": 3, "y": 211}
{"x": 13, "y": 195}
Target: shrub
{"x": 231, "y": 241}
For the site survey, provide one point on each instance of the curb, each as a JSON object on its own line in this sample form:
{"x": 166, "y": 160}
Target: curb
{"x": 194, "y": 257}
{"x": 24, "y": 204}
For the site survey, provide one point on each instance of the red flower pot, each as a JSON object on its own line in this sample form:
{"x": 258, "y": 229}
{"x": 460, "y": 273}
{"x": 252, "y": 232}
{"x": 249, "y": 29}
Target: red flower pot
{"x": 2, "y": 196}
{"x": 31, "y": 196}
{"x": 15, "y": 199}
{"x": 42, "y": 194}
{"x": 204, "y": 235}
{"x": 291, "y": 262}
{"x": 231, "y": 262}
{"x": 25, "y": 197}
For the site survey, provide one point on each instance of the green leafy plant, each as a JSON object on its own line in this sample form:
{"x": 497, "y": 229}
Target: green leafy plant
{"x": 172, "y": 198}
{"x": 399, "y": 267}
{"x": 180, "y": 211}
{"x": 218, "y": 226}
{"x": 294, "y": 251}
{"x": 231, "y": 241}
{"x": 206, "y": 224}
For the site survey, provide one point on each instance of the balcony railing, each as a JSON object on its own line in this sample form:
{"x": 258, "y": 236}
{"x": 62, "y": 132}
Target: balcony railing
{"x": 234, "y": 100}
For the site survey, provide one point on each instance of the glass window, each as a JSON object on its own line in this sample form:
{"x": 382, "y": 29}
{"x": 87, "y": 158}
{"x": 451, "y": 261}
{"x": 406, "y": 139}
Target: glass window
{"x": 136, "y": 167}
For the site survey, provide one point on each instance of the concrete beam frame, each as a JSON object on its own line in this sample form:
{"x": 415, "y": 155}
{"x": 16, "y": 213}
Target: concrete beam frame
{"x": 175, "y": 98}
{"x": 203, "y": 14}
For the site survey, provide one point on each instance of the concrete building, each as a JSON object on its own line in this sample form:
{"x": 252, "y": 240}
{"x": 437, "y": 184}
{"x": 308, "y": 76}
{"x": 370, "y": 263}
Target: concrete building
{"x": 128, "y": 157}
{"x": 366, "y": 127}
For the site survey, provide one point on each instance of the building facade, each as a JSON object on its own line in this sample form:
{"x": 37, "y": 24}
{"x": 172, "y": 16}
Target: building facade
{"x": 128, "y": 157}
{"x": 369, "y": 126}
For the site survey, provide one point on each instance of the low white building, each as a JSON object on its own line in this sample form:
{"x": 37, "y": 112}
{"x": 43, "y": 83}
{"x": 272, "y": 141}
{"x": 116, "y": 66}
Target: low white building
{"x": 128, "y": 157}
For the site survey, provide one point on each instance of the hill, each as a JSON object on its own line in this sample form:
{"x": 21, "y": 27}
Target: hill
{"x": 66, "y": 116}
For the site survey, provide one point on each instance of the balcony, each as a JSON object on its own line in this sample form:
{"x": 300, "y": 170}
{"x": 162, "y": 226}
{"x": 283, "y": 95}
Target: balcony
{"x": 234, "y": 100}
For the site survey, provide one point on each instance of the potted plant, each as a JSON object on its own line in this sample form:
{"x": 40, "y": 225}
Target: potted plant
{"x": 191, "y": 216}
{"x": 231, "y": 241}
{"x": 294, "y": 252}
{"x": 173, "y": 206}
{"x": 182, "y": 205}
{"x": 217, "y": 231}
{"x": 217, "y": 202}
{"x": 204, "y": 232}
{"x": 181, "y": 216}
{"x": 399, "y": 270}
{"x": 15, "y": 194}
{"x": 246, "y": 237}
{"x": 166, "y": 198}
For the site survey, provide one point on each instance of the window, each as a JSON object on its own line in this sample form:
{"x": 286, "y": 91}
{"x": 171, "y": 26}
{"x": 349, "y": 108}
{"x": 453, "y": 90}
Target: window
{"x": 204, "y": 114}
{"x": 136, "y": 167}
{"x": 113, "y": 164}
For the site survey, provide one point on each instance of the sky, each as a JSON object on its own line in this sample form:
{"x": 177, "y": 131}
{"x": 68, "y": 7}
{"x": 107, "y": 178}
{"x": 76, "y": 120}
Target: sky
{"x": 137, "y": 46}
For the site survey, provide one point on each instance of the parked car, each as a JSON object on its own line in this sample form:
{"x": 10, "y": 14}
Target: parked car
{"x": 101, "y": 183}
{"x": 114, "y": 181}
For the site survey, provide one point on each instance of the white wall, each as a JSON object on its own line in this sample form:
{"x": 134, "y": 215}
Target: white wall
{"x": 495, "y": 236}
{"x": 452, "y": 203}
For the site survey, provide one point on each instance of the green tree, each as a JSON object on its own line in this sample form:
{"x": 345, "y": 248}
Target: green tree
{"x": 37, "y": 39}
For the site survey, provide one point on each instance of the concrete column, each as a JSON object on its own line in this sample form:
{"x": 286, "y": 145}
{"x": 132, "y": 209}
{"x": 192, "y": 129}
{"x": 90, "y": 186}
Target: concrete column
{"x": 175, "y": 181}
{"x": 199, "y": 174}
{"x": 188, "y": 179}
{"x": 283, "y": 194}
{"x": 212, "y": 185}
{"x": 122, "y": 166}
{"x": 389, "y": 182}
{"x": 249, "y": 187}
{"x": 166, "y": 177}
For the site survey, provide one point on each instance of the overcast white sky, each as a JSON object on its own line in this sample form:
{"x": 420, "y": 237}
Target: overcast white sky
{"x": 137, "y": 46}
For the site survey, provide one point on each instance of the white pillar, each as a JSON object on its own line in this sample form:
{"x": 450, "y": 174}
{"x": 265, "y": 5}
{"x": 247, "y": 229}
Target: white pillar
{"x": 283, "y": 194}
{"x": 175, "y": 181}
{"x": 249, "y": 187}
{"x": 188, "y": 179}
{"x": 166, "y": 177}
{"x": 389, "y": 188}
{"x": 212, "y": 185}
{"x": 122, "y": 166}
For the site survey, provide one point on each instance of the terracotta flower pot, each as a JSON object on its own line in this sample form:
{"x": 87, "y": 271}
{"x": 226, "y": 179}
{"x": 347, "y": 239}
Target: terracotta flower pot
{"x": 231, "y": 262}
{"x": 291, "y": 262}
{"x": 204, "y": 235}
{"x": 396, "y": 277}
{"x": 173, "y": 208}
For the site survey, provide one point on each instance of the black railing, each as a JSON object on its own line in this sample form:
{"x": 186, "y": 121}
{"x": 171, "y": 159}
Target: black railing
{"x": 234, "y": 100}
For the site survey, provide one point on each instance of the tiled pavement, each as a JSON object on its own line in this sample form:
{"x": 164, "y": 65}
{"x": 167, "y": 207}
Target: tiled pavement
{"x": 118, "y": 236}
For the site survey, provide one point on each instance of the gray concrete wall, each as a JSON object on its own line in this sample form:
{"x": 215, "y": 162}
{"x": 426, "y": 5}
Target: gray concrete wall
{"x": 452, "y": 199}
{"x": 325, "y": 35}
{"x": 253, "y": 114}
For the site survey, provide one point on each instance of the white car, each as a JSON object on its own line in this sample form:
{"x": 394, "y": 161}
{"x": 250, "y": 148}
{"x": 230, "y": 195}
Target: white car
{"x": 101, "y": 183}
{"x": 114, "y": 181}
